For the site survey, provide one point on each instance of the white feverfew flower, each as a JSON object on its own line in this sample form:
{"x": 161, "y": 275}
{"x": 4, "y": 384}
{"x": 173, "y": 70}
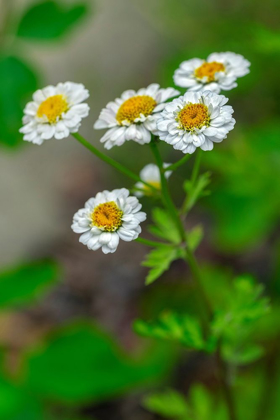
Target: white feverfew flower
{"x": 150, "y": 174}
{"x": 107, "y": 218}
{"x": 56, "y": 111}
{"x": 197, "y": 119}
{"x": 218, "y": 72}
{"x": 133, "y": 115}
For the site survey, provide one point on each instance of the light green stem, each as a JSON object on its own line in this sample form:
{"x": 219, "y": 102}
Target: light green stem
{"x": 176, "y": 165}
{"x": 196, "y": 166}
{"x": 121, "y": 168}
{"x": 165, "y": 192}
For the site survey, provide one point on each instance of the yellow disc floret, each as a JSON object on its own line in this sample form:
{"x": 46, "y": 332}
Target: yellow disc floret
{"x": 107, "y": 216}
{"x": 147, "y": 190}
{"x": 133, "y": 107}
{"x": 193, "y": 116}
{"x": 209, "y": 70}
{"x": 53, "y": 108}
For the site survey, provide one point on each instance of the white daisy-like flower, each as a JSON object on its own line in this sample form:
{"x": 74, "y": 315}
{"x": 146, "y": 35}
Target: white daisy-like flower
{"x": 197, "y": 119}
{"x": 133, "y": 115}
{"x": 218, "y": 72}
{"x": 150, "y": 174}
{"x": 56, "y": 111}
{"x": 107, "y": 218}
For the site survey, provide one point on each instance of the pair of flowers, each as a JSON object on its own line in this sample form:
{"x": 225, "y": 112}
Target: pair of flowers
{"x": 197, "y": 119}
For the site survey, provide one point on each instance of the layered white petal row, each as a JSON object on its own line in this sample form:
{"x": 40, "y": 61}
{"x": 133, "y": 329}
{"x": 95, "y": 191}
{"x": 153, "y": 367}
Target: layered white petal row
{"x": 38, "y": 129}
{"x": 235, "y": 65}
{"x": 95, "y": 238}
{"x": 141, "y": 129}
{"x": 220, "y": 122}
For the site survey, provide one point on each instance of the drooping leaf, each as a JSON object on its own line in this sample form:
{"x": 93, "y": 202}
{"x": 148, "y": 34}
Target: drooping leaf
{"x": 159, "y": 260}
{"x": 79, "y": 364}
{"x": 18, "y": 82}
{"x": 164, "y": 227}
{"x": 174, "y": 327}
{"x": 49, "y": 19}
{"x": 26, "y": 283}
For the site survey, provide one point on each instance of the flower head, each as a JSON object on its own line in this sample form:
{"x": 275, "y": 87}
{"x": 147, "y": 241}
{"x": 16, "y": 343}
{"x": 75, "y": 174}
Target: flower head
{"x": 56, "y": 111}
{"x": 107, "y": 218}
{"x": 133, "y": 115}
{"x": 150, "y": 174}
{"x": 218, "y": 72}
{"x": 195, "y": 120}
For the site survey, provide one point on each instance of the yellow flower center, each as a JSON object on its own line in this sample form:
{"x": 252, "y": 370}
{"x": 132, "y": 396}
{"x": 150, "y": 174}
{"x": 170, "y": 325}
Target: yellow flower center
{"x": 133, "y": 107}
{"x": 148, "y": 190}
{"x": 209, "y": 70}
{"x": 193, "y": 116}
{"x": 107, "y": 216}
{"x": 53, "y": 108}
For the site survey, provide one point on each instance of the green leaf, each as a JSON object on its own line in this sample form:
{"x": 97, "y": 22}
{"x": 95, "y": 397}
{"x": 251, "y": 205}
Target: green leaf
{"x": 194, "y": 192}
{"x": 248, "y": 354}
{"x": 164, "y": 228}
{"x": 168, "y": 404}
{"x": 159, "y": 260}
{"x": 49, "y": 20}
{"x": 238, "y": 318}
{"x": 17, "y": 404}
{"x": 195, "y": 237}
{"x": 79, "y": 364}
{"x": 18, "y": 82}
{"x": 26, "y": 283}
{"x": 175, "y": 327}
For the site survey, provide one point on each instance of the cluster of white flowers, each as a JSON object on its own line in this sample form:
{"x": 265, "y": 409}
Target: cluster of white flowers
{"x": 199, "y": 118}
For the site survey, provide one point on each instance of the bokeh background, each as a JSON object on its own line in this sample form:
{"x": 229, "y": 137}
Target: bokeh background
{"x": 48, "y": 342}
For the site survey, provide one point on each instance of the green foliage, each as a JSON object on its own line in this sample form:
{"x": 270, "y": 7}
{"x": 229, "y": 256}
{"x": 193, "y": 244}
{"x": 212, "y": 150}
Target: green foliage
{"x": 49, "y": 20}
{"x": 164, "y": 227}
{"x": 196, "y": 190}
{"x": 159, "y": 260}
{"x": 245, "y": 197}
{"x": 175, "y": 327}
{"x": 235, "y": 321}
{"x": 79, "y": 364}
{"x": 195, "y": 237}
{"x": 18, "y": 82}
{"x": 168, "y": 404}
{"x": 26, "y": 283}
{"x": 198, "y": 406}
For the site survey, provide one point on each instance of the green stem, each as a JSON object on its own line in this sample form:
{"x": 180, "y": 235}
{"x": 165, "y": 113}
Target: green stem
{"x": 196, "y": 166}
{"x": 176, "y": 165}
{"x": 151, "y": 243}
{"x": 165, "y": 192}
{"x": 193, "y": 264}
{"x": 222, "y": 371}
{"x": 111, "y": 161}
{"x": 190, "y": 258}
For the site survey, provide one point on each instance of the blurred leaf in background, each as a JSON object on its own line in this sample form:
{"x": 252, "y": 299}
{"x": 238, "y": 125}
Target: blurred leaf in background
{"x": 18, "y": 82}
{"x": 44, "y": 21}
{"x": 79, "y": 364}
{"x": 49, "y": 20}
{"x": 24, "y": 284}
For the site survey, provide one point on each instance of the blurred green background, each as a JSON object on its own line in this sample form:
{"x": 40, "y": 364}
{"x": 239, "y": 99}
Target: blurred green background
{"x": 67, "y": 346}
